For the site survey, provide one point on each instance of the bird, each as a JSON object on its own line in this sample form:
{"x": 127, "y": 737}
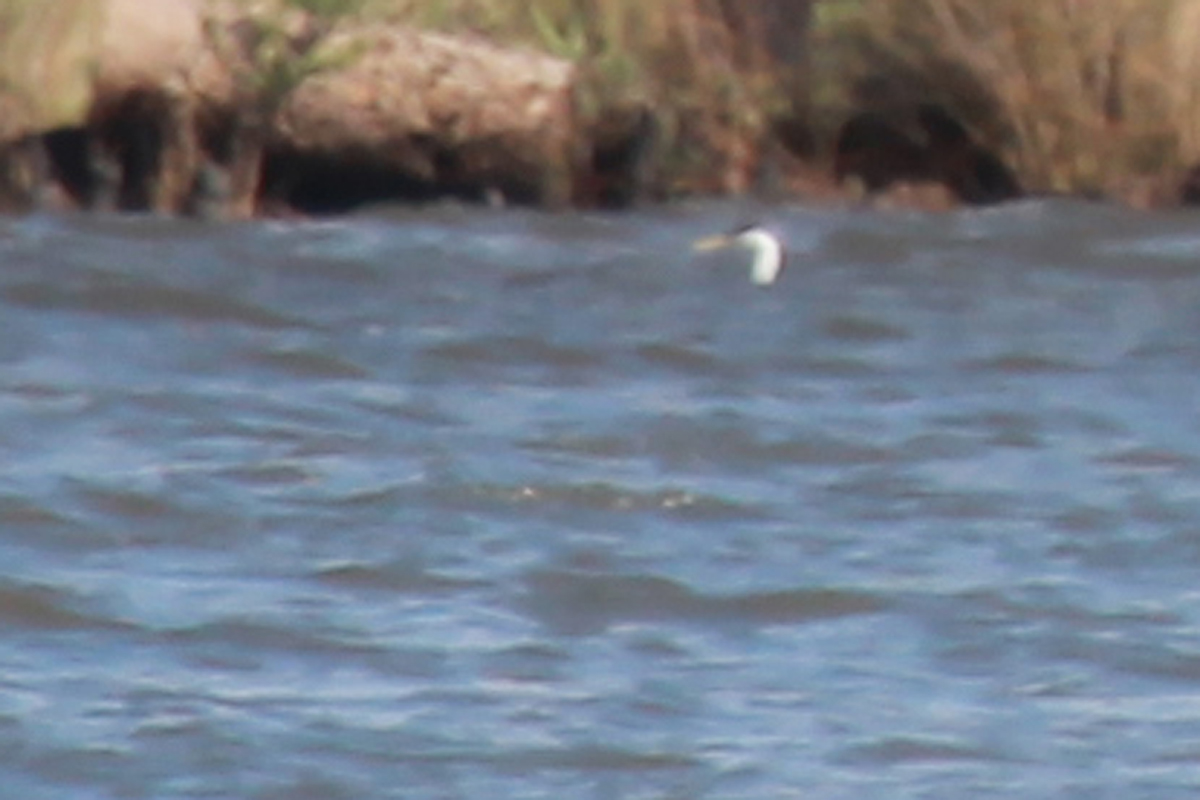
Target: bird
{"x": 767, "y": 250}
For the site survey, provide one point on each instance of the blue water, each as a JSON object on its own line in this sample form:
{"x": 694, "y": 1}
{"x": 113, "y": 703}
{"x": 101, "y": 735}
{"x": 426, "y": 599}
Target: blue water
{"x": 474, "y": 504}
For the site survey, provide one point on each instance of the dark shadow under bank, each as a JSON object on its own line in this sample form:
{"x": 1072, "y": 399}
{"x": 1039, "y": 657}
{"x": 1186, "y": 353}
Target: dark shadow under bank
{"x": 875, "y": 151}
{"x": 119, "y": 164}
{"x": 336, "y": 183}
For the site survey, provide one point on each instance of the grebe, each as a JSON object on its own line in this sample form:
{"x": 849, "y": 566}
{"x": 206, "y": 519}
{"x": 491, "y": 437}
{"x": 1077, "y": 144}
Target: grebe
{"x": 765, "y": 246}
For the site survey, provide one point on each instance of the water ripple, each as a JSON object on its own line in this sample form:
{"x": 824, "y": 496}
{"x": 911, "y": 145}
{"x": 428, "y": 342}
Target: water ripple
{"x": 585, "y": 603}
{"x": 483, "y": 504}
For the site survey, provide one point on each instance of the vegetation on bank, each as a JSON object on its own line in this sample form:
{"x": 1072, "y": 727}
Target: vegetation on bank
{"x": 1079, "y": 96}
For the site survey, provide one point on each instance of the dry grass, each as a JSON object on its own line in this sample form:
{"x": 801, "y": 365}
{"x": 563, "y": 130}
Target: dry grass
{"x": 1083, "y": 95}
{"x": 44, "y": 86}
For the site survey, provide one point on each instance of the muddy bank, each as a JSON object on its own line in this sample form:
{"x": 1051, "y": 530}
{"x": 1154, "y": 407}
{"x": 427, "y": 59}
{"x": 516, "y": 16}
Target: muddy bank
{"x": 219, "y": 108}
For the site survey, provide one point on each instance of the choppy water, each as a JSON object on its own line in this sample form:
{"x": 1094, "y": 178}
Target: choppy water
{"x": 455, "y": 504}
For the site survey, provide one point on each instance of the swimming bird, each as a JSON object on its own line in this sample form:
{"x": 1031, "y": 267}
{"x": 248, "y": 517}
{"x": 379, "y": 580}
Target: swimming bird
{"x": 766, "y": 247}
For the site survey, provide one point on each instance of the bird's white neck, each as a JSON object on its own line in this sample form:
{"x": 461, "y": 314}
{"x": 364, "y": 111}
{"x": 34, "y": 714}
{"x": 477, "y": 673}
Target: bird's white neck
{"x": 768, "y": 255}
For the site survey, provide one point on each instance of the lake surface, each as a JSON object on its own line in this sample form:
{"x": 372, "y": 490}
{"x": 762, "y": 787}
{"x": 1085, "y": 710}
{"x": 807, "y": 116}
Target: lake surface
{"x": 476, "y": 504}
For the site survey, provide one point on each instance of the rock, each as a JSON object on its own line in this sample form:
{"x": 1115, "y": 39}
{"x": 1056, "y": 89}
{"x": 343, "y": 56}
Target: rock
{"x": 436, "y": 113}
{"x": 147, "y": 46}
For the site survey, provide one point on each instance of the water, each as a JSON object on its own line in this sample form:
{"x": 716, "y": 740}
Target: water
{"x": 462, "y": 504}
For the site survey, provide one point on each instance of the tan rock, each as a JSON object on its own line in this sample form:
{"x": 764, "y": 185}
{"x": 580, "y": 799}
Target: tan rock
{"x": 443, "y": 108}
{"x": 148, "y": 45}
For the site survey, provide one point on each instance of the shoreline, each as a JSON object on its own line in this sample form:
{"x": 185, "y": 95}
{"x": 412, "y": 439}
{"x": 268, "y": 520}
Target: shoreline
{"x": 216, "y": 109}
